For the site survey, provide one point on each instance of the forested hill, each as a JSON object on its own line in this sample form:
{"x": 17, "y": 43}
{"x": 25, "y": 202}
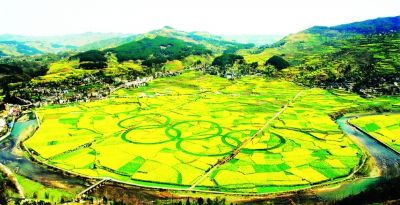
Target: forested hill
{"x": 157, "y": 50}
{"x": 150, "y": 51}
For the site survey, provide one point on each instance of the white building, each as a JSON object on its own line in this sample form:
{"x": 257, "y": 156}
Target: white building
{"x": 3, "y": 123}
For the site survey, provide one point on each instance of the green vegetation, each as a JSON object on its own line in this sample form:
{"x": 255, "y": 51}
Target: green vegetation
{"x": 385, "y": 128}
{"x": 37, "y": 191}
{"x": 7, "y": 189}
{"x": 157, "y": 50}
{"x": 227, "y": 60}
{"x": 173, "y": 66}
{"x": 151, "y": 51}
{"x": 61, "y": 71}
{"x": 92, "y": 59}
{"x": 365, "y": 53}
{"x": 174, "y": 131}
{"x": 15, "y": 48}
{"x": 278, "y": 62}
{"x": 214, "y": 43}
{"x": 24, "y": 68}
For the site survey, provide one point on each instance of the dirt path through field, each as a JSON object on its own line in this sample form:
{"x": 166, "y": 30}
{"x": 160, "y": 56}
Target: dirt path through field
{"x": 244, "y": 143}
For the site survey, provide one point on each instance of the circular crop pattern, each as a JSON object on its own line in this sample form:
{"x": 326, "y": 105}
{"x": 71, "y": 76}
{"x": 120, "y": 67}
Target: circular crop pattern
{"x": 150, "y": 136}
{"x": 201, "y": 147}
{"x": 233, "y": 139}
{"x": 191, "y": 132}
{"x": 145, "y": 121}
{"x": 197, "y": 129}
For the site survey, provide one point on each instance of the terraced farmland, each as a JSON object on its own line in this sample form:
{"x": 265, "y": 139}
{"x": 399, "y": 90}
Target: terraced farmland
{"x": 385, "y": 128}
{"x": 201, "y": 132}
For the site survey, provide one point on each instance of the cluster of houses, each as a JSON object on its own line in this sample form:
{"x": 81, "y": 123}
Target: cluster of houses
{"x": 387, "y": 88}
{"x": 75, "y": 90}
{"x": 86, "y": 89}
{"x": 10, "y": 112}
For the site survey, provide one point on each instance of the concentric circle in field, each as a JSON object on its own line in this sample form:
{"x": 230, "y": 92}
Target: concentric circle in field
{"x": 145, "y": 121}
{"x": 263, "y": 143}
{"x": 197, "y": 129}
{"x": 150, "y": 136}
{"x": 204, "y": 147}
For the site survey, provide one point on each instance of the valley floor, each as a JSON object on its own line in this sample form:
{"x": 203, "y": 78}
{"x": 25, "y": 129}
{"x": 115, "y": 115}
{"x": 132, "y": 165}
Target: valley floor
{"x": 197, "y": 132}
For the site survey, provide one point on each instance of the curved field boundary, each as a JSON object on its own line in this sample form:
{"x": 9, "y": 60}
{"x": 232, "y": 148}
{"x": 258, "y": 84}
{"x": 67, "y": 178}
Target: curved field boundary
{"x": 244, "y": 143}
{"x": 371, "y": 136}
{"x": 322, "y": 184}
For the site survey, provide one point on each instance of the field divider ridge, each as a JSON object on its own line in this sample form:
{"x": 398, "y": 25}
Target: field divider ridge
{"x": 244, "y": 143}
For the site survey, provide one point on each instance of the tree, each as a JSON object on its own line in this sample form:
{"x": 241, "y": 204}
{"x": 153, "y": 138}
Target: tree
{"x": 278, "y": 62}
{"x": 35, "y": 195}
{"x": 269, "y": 70}
{"x": 200, "y": 201}
{"x": 187, "y": 201}
{"x": 227, "y": 60}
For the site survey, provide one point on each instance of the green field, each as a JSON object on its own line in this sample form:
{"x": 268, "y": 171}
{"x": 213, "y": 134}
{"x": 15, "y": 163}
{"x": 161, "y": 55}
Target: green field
{"x": 385, "y": 128}
{"x": 170, "y": 133}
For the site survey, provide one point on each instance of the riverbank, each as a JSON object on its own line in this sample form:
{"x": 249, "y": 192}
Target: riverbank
{"x": 12, "y": 177}
{"x": 307, "y": 192}
{"x": 179, "y": 193}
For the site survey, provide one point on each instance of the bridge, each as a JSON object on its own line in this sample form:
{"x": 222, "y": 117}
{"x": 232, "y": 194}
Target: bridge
{"x": 78, "y": 196}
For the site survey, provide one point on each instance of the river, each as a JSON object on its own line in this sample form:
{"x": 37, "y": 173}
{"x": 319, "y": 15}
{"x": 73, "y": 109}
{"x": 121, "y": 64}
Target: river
{"x": 14, "y": 158}
{"x": 387, "y": 161}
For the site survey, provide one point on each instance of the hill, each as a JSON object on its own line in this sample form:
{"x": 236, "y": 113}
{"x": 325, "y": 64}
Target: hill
{"x": 107, "y": 43}
{"x": 374, "y": 26}
{"x": 16, "y": 45}
{"x": 15, "y": 48}
{"x": 212, "y": 42}
{"x": 70, "y": 39}
{"x": 363, "y": 53}
{"x": 150, "y": 51}
{"x": 257, "y": 40}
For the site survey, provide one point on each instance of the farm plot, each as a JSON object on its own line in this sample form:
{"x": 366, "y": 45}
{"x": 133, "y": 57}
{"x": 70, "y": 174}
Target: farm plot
{"x": 304, "y": 146}
{"x": 385, "y": 128}
{"x": 174, "y": 131}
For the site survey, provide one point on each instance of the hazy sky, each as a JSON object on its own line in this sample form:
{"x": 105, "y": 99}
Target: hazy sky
{"x": 233, "y": 17}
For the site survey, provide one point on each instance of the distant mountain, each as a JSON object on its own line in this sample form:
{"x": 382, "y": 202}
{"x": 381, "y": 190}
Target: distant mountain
{"x": 158, "y": 47}
{"x": 108, "y": 43}
{"x": 15, "y": 48}
{"x": 258, "y": 40}
{"x": 101, "y": 41}
{"x": 374, "y": 26}
{"x": 212, "y": 42}
{"x": 71, "y": 39}
{"x": 55, "y": 44}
